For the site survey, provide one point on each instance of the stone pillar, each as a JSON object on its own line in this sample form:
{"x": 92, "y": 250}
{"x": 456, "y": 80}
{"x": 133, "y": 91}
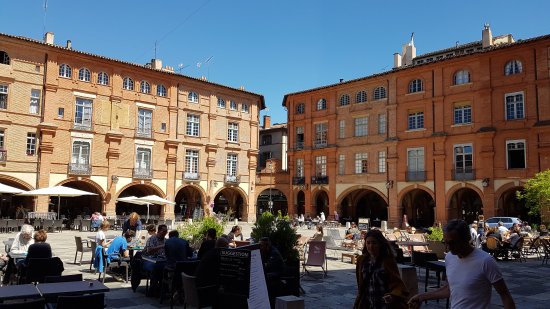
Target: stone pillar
{"x": 249, "y": 215}
{"x": 171, "y": 159}
{"x": 439, "y": 179}
{"x": 113, "y": 139}
{"x": 47, "y": 135}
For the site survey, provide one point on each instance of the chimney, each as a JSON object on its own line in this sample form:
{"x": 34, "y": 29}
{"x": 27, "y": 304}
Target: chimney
{"x": 486, "y": 36}
{"x": 69, "y": 44}
{"x": 267, "y": 122}
{"x": 48, "y": 38}
{"x": 156, "y": 64}
{"x": 396, "y": 60}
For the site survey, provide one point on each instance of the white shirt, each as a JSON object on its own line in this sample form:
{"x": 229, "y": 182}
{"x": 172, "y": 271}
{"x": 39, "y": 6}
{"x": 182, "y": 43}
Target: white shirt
{"x": 502, "y": 230}
{"x": 100, "y": 235}
{"x": 471, "y": 278}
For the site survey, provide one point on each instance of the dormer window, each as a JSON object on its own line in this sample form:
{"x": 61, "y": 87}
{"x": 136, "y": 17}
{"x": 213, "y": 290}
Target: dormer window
{"x": 513, "y": 67}
{"x": 4, "y": 57}
{"x": 416, "y": 86}
{"x": 344, "y": 100}
{"x": 461, "y": 77}
{"x": 321, "y": 104}
{"x": 361, "y": 97}
{"x": 128, "y": 84}
{"x": 84, "y": 75}
{"x": 144, "y": 87}
{"x": 65, "y": 71}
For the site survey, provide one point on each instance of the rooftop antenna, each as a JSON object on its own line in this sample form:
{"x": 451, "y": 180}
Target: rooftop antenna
{"x": 44, "y": 22}
{"x": 207, "y": 61}
{"x": 155, "y": 49}
{"x": 181, "y": 66}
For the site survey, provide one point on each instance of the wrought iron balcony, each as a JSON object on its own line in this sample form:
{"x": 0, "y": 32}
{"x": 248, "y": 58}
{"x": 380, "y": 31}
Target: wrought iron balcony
{"x": 143, "y": 133}
{"x": 298, "y": 180}
{"x": 416, "y": 176}
{"x": 319, "y": 180}
{"x": 464, "y": 173}
{"x": 232, "y": 179}
{"x": 191, "y": 176}
{"x": 299, "y": 145}
{"x": 82, "y": 126}
{"x": 3, "y": 155}
{"x": 80, "y": 169}
{"x": 320, "y": 144}
{"x": 143, "y": 173}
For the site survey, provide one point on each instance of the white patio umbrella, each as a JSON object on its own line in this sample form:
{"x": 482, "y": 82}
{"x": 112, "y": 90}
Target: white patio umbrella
{"x": 59, "y": 191}
{"x": 134, "y": 200}
{"x": 154, "y": 199}
{"x": 9, "y": 189}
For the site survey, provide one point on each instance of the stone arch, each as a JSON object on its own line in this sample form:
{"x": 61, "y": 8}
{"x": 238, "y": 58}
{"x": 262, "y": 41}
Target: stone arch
{"x": 343, "y": 195}
{"x": 138, "y": 189}
{"x": 223, "y": 202}
{"x": 321, "y": 202}
{"x": 80, "y": 205}
{"x": 90, "y": 182}
{"x": 188, "y": 205}
{"x": 508, "y": 205}
{"x": 300, "y": 202}
{"x": 363, "y": 202}
{"x": 278, "y": 197}
{"x": 464, "y": 202}
{"x": 18, "y": 181}
{"x": 9, "y": 203}
{"x": 418, "y": 204}
{"x": 157, "y": 189}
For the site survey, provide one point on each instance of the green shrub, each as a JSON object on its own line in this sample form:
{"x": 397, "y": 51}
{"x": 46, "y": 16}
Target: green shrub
{"x": 436, "y": 234}
{"x": 194, "y": 232}
{"x": 280, "y": 232}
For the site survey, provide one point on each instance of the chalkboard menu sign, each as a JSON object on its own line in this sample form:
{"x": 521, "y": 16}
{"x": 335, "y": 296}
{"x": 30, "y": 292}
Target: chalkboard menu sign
{"x": 234, "y": 271}
{"x": 363, "y": 224}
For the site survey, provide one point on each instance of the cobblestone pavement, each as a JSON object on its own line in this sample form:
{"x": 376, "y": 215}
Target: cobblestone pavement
{"x": 529, "y": 282}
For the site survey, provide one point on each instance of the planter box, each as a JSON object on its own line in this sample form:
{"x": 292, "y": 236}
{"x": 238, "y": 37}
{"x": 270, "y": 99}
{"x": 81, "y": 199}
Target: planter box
{"x": 437, "y": 247}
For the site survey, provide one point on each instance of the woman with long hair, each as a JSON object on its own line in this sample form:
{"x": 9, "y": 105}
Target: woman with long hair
{"x": 378, "y": 282}
{"x": 133, "y": 223}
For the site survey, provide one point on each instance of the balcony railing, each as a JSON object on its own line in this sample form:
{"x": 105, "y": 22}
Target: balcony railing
{"x": 319, "y": 180}
{"x": 144, "y": 133}
{"x": 3, "y": 155}
{"x": 298, "y": 180}
{"x": 80, "y": 169}
{"x": 416, "y": 175}
{"x": 320, "y": 144}
{"x": 143, "y": 173}
{"x": 299, "y": 145}
{"x": 465, "y": 173}
{"x": 232, "y": 179}
{"x": 82, "y": 126}
{"x": 191, "y": 176}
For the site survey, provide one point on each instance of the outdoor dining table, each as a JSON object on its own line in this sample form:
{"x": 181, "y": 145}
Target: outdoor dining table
{"x": 154, "y": 259}
{"x": 22, "y": 291}
{"x": 71, "y": 288}
{"x": 411, "y": 244}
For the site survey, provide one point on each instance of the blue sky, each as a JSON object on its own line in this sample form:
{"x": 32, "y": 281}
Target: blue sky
{"x": 270, "y": 47}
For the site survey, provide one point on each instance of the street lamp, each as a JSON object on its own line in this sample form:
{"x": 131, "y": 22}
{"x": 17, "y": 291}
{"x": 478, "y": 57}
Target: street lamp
{"x": 270, "y": 202}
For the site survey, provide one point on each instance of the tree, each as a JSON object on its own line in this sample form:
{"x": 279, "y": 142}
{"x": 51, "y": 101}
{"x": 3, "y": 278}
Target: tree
{"x": 536, "y": 194}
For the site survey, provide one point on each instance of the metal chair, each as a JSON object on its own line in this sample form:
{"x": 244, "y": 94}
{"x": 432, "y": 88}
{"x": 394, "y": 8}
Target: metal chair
{"x": 12, "y": 225}
{"x": 80, "y": 248}
{"x": 86, "y": 224}
{"x": 171, "y": 278}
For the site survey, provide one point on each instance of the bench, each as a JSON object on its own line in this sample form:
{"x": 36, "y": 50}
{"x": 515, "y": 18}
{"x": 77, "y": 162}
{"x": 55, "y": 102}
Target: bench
{"x": 352, "y": 256}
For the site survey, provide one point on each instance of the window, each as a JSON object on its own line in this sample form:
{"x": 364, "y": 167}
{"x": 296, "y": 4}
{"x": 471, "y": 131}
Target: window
{"x": 163, "y": 126}
{"x": 416, "y": 121}
{"x": 144, "y": 87}
{"x": 221, "y": 103}
{"x": 35, "y": 101}
{"x": 264, "y": 156}
{"x": 461, "y": 77}
{"x": 341, "y": 164}
{"x": 463, "y": 113}
{"x": 266, "y": 139}
{"x": 415, "y": 160}
{"x": 232, "y": 164}
{"x": 145, "y": 123}
{"x": 299, "y": 137}
{"x": 4, "y": 57}
{"x": 244, "y": 108}
{"x": 103, "y": 78}
{"x": 193, "y": 97}
{"x": 416, "y": 86}
{"x": 3, "y": 96}
{"x": 31, "y": 144}
{"x": 381, "y": 162}
{"x": 60, "y": 113}
{"x": 300, "y": 108}
{"x": 382, "y": 124}
{"x": 361, "y": 126}
{"x": 513, "y": 67}
{"x": 361, "y": 97}
{"x": 463, "y": 158}
{"x": 514, "y": 106}
{"x": 361, "y": 163}
{"x": 191, "y": 161}
{"x": 83, "y": 114}
{"x": 299, "y": 167}
{"x": 515, "y": 154}
{"x": 344, "y": 100}
{"x": 233, "y": 132}
{"x": 232, "y": 105}
{"x": 161, "y": 90}
{"x": 320, "y": 166}
{"x": 379, "y": 93}
{"x": 84, "y": 75}
{"x": 65, "y": 71}
{"x": 143, "y": 161}
{"x": 193, "y": 125}
{"x": 2, "y": 140}
{"x": 342, "y": 129}
{"x": 321, "y": 133}
{"x": 127, "y": 83}
{"x": 80, "y": 158}
{"x": 321, "y": 104}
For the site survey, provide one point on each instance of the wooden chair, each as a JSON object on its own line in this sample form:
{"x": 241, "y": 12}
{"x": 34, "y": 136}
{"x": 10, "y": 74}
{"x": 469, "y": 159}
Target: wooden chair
{"x": 494, "y": 247}
{"x": 316, "y": 256}
{"x": 89, "y": 301}
{"x": 197, "y": 297}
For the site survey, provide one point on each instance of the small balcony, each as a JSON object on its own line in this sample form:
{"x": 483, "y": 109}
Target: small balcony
{"x": 298, "y": 180}
{"x": 319, "y": 180}
{"x": 465, "y": 173}
{"x": 232, "y": 179}
{"x": 191, "y": 176}
{"x": 143, "y": 133}
{"x": 3, "y": 155}
{"x": 80, "y": 169}
{"x": 143, "y": 173}
{"x": 82, "y": 126}
{"x": 299, "y": 146}
{"x": 416, "y": 176}
{"x": 320, "y": 144}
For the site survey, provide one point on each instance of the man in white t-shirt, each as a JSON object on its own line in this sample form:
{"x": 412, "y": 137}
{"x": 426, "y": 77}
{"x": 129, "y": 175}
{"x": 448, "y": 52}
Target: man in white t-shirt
{"x": 471, "y": 274}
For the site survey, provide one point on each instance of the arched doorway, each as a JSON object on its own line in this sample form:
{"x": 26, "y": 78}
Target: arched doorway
{"x": 465, "y": 204}
{"x": 189, "y": 203}
{"x": 9, "y": 203}
{"x": 280, "y": 202}
{"x": 85, "y": 205}
{"x": 229, "y": 202}
{"x": 419, "y": 207}
{"x": 510, "y": 206}
{"x": 138, "y": 190}
{"x": 364, "y": 203}
{"x": 321, "y": 203}
{"x": 301, "y": 203}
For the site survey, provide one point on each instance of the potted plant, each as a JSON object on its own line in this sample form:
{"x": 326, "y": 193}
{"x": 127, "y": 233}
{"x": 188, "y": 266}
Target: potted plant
{"x": 434, "y": 237}
{"x": 194, "y": 232}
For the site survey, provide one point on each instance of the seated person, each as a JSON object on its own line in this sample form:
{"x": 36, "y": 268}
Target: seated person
{"x": 155, "y": 243}
{"x": 40, "y": 248}
{"x": 352, "y": 232}
{"x": 207, "y": 270}
{"x": 208, "y": 243}
{"x": 151, "y": 231}
{"x": 100, "y": 238}
{"x": 176, "y": 249}
{"x": 155, "y": 246}
{"x": 23, "y": 240}
{"x": 235, "y": 232}
{"x": 119, "y": 246}
{"x": 273, "y": 269}
{"x": 318, "y": 234}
